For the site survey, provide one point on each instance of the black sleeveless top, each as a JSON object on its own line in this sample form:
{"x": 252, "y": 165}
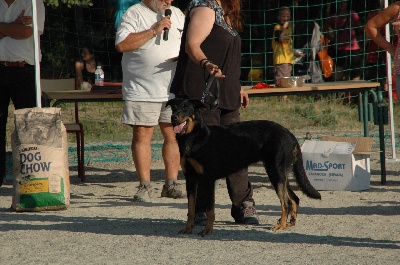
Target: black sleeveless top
{"x": 222, "y": 47}
{"x": 88, "y": 76}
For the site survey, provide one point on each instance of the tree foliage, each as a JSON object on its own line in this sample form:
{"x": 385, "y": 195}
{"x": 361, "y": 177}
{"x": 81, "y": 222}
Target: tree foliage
{"x": 69, "y": 3}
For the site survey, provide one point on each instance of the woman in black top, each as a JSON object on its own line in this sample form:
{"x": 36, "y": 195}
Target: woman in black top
{"x": 84, "y": 69}
{"x": 211, "y": 44}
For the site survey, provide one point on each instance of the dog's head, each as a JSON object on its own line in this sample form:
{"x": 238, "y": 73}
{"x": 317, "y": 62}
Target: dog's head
{"x": 185, "y": 114}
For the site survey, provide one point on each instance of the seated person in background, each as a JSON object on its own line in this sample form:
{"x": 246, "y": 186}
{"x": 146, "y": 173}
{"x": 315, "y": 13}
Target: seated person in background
{"x": 84, "y": 69}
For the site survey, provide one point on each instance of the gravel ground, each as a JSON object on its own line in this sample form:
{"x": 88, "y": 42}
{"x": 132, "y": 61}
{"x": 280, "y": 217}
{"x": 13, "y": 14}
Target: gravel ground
{"x": 104, "y": 226}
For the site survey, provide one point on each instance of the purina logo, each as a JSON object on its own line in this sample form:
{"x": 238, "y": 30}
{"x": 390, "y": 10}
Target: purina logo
{"x": 323, "y": 166}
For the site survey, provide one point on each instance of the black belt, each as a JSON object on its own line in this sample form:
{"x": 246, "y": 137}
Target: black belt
{"x": 13, "y": 64}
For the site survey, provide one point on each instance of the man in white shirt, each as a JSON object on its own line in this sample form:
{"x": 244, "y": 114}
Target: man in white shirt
{"x": 148, "y": 66}
{"x": 17, "y": 71}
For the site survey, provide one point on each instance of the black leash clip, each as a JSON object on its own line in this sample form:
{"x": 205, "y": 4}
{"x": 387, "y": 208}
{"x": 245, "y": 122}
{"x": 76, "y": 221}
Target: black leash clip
{"x": 209, "y": 100}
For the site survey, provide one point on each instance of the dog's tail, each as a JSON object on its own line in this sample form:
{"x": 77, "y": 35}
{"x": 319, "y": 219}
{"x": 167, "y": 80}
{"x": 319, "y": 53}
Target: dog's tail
{"x": 301, "y": 176}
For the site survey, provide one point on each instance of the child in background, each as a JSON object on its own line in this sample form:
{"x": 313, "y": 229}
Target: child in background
{"x": 282, "y": 45}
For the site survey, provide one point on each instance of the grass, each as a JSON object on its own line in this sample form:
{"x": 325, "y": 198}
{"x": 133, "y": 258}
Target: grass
{"x": 306, "y": 114}
{"x": 317, "y": 116}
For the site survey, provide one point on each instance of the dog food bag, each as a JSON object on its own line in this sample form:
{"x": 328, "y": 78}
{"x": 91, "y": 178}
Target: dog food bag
{"x": 40, "y": 161}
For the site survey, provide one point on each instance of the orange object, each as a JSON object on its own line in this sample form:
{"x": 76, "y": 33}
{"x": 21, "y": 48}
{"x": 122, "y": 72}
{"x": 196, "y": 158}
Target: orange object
{"x": 326, "y": 60}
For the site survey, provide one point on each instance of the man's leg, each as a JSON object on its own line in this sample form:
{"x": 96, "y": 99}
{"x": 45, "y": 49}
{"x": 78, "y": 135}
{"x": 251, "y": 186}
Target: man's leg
{"x": 170, "y": 152}
{"x": 171, "y": 156}
{"x": 141, "y": 150}
{"x": 141, "y": 154}
{"x": 17, "y": 83}
{"x": 4, "y": 102}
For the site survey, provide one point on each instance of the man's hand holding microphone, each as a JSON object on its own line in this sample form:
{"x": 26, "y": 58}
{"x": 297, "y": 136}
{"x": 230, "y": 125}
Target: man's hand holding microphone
{"x": 163, "y": 25}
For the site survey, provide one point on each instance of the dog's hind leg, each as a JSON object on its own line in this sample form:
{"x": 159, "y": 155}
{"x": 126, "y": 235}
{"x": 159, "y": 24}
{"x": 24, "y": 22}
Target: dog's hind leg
{"x": 283, "y": 198}
{"x": 191, "y": 189}
{"x": 294, "y": 206}
{"x": 279, "y": 181}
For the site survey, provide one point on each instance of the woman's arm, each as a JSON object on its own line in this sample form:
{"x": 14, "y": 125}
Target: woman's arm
{"x": 78, "y": 72}
{"x": 201, "y": 23}
{"x": 374, "y": 24}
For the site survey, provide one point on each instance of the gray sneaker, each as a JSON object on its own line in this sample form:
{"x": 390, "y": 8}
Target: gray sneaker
{"x": 143, "y": 194}
{"x": 245, "y": 214}
{"x": 200, "y": 219}
{"x": 173, "y": 191}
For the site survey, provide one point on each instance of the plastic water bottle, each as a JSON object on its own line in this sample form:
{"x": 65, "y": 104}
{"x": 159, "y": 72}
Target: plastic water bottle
{"x": 99, "y": 76}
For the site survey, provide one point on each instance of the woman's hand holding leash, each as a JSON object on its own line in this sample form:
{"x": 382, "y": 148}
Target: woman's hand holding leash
{"x": 211, "y": 68}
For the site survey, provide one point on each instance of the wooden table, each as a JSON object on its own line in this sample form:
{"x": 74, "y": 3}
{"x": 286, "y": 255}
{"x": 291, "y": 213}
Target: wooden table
{"x": 80, "y": 96}
{"x": 319, "y": 88}
{"x": 363, "y": 87}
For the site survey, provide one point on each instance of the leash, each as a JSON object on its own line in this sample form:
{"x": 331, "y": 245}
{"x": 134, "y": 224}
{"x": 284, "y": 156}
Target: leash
{"x": 208, "y": 98}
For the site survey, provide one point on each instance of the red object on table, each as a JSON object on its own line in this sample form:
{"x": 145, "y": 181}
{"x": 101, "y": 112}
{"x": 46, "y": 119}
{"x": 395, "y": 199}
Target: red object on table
{"x": 260, "y": 86}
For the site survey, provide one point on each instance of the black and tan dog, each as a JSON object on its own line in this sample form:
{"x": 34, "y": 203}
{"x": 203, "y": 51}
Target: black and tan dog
{"x": 209, "y": 153}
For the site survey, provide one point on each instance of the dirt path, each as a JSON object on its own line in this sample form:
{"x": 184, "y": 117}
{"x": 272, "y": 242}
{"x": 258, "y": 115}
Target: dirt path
{"x": 104, "y": 226}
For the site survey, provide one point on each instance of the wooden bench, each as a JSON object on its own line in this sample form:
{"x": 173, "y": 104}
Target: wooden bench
{"x": 65, "y": 84}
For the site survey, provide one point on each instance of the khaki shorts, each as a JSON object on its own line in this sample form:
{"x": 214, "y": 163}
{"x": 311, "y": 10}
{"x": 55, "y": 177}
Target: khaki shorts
{"x": 145, "y": 113}
{"x": 283, "y": 70}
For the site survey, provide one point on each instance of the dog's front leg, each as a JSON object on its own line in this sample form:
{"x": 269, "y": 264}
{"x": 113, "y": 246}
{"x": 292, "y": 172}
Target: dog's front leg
{"x": 191, "y": 190}
{"x": 210, "y": 203}
{"x": 208, "y": 229}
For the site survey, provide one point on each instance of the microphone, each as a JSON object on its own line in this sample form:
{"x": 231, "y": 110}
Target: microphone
{"x": 168, "y": 13}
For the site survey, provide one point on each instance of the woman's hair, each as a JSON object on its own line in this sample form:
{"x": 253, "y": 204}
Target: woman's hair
{"x": 89, "y": 48}
{"x": 233, "y": 12}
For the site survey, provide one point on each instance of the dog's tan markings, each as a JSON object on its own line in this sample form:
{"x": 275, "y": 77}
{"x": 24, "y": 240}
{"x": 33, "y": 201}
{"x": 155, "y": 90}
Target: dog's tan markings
{"x": 190, "y": 126}
{"x": 196, "y": 165}
{"x": 187, "y": 150}
{"x": 190, "y": 216}
{"x": 293, "y": 214}
{"x": 283, "y": 197}
{"x": 208, "y": 229}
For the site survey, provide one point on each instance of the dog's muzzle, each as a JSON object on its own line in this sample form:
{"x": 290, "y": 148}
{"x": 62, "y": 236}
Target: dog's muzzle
{"x": 179, "y": 127}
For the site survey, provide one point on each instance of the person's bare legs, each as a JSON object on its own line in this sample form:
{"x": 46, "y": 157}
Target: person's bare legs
{"x": 141, "y": 154}
{"x": 170, "y": 152}
{"x": 141, "y": 150}
{"x": 171, "y": 157}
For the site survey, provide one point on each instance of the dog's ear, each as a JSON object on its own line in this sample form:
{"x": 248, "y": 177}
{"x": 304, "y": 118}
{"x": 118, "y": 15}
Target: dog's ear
{"x": 197, "y": 104}
{"x": 174, "y": 102}
{"x": 169, "y": 102}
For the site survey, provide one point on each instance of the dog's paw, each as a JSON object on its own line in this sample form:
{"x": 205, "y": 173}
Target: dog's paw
{"x": 186, "y": 230}
{"x": 206, "y": 231}
{"x": 279, "y": 226}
